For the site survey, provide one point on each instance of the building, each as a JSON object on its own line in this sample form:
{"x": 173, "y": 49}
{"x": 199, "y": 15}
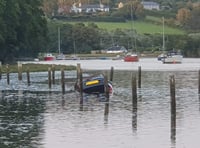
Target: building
{"x": 86, "y": 8}
{"x": 150, "y": 5}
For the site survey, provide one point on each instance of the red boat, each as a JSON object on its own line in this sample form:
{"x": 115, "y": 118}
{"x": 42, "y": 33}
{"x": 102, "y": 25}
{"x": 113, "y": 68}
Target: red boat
{"x": 49, "y": 57}
{"x": 131, "y": 58}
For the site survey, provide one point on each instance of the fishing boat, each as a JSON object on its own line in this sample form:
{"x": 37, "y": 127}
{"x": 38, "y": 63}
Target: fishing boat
{"x": 131, "y": 58}
{"x": 173, "y": 58}
{"x": 94, "y": 85}
{"x": 49, "y": 57}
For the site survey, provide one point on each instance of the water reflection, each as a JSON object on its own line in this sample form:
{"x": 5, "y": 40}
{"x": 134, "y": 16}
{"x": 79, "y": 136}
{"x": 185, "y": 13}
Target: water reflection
{"x": 21, "y": 120}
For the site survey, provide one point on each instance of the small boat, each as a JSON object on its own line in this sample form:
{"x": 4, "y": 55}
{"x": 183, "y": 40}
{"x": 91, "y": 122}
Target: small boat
{"x": 172, "y": 58}
{"x": 131, "y": 58}
{"x": 60, "y": 57}
{"x": 49, "y": 57}
{"x": 94, "y": 85}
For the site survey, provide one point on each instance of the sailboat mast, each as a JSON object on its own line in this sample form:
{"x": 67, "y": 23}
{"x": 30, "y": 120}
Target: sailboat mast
{"x": 59, "y": 40}
{"x": 163, "y": 33}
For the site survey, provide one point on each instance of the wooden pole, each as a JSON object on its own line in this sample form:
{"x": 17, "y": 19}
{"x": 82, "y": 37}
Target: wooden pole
{"x": 81, "y": 85}
{"x": 53, "y": 74}
{"x": 139, "y": 77}
{"x": 28, "y": 76}
{"x": 106, "y": 88}
{"x": 49, "y": 77}
{"x": 199, "y": 81}
{"x": 7, "y": 74}
{"x": 111, "y": 73}
{"x": 19, "y": 65}
{"x": 173, "y": 108}
{"x": 78, "y": 69}
{"x": 63, "y": 80}
{"x": 134, "y": 89}
{"x": 0, "y": 70}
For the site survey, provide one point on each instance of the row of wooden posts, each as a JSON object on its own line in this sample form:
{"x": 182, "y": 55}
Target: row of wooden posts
{"x": 51, "y": 78}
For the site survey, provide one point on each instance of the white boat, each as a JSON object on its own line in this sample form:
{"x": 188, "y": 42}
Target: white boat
{"x": 173, "y": 58}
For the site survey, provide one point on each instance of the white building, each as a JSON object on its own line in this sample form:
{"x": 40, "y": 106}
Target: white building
{"x": 150, "y": 5}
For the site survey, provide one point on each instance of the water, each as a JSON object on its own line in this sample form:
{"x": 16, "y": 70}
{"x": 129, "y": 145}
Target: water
{"x": 34, "y": 116}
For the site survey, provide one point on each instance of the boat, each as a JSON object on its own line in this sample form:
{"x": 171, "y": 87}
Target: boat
{"x": 163, "y": 54}
{"x": 131, "y": 58}
{"x": 173, "y": 58}
{"x": 60, "y": 55}
{"x": 49, "y": 57}
{"x": 94, "y": 85}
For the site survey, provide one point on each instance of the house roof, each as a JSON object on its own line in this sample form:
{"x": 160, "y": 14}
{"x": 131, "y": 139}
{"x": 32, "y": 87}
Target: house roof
{"x": 149, "y": 3}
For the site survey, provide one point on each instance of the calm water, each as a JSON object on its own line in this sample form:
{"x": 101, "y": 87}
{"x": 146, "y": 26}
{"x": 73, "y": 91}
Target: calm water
{"x": 34, "y": 116}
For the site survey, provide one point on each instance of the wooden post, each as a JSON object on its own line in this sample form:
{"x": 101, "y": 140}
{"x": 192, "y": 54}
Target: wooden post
{"x": 173, "y": 108}
{"x": 111, "y": 73}
{"x": 78, "y": 69}
{"x": 0, "y": 70}
{"x": 139, "y": 77}
{"x": 49, "y": 77}
{"x": 19, "y": 65}
{"x": 134, "y": 89}
{"x": 63, "y": 80}
{"x": 28, "y": 76}
{"x": 106, "y": 88}
{"x": 134, "y": 102}
{"x": 7, "y": 74}
{"x": 53, "y": 74}
{"x": 81, "y": 85}
{"x": 199, "y": 81}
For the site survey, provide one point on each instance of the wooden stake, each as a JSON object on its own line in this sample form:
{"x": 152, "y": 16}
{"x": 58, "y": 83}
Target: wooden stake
{"x": 28, "y": 76}
{"x": 7, "y": 74}
{"x": 19, "y": 65}
{"x": 63, "y": 80}
{"x": 49, "y": 77}
{"x": 111, "y": 73}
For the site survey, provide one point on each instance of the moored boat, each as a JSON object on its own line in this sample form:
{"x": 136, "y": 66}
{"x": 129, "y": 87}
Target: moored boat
{"x": 49, "y": 57}
{"x": 131, "y": 58}
{"x": 173, "y": 58}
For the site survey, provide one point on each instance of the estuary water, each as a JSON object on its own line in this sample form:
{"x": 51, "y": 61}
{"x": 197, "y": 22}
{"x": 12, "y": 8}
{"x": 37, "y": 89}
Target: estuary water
{"x": 39, "y": 117}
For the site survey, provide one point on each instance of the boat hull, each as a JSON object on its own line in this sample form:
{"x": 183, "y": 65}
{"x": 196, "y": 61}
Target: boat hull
{"x": 131, "y": 58}
{"x": 175, "y": 59}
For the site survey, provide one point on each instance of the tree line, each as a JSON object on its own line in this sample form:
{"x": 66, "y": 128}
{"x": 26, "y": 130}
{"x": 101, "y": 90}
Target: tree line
{"x": 25, "y": 31}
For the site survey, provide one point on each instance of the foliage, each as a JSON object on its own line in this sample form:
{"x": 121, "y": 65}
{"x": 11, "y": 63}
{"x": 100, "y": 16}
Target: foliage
{"x": 23, "y": 29}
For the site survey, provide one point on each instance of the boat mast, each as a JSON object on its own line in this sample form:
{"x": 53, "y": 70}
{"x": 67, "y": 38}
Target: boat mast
{"x": 163, "y": 34}
{"x": 59, "y": 40}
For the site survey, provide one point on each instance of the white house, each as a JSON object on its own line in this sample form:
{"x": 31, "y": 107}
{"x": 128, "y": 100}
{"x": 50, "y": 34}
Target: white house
{"x": 150, "y": 5}
{"x": 89, "y": 8}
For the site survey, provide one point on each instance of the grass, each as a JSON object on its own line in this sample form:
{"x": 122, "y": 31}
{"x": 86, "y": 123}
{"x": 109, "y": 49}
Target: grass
{"x": 34, "y": 68}
{"x": 142, "y": 27}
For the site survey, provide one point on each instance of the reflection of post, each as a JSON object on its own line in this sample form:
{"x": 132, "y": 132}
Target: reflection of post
{"x": 134, "y": 103}
{"x": 173, "y": 109}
